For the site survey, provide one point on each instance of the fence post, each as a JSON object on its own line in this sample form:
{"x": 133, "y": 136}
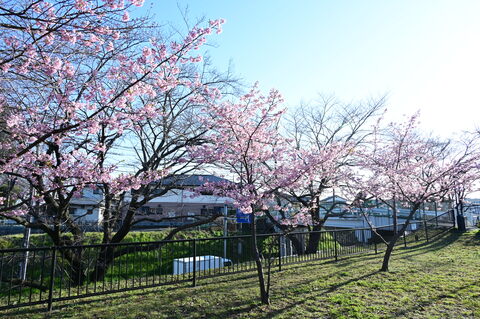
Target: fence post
{"x": 280, "y": 252}
{"x": 194, "y": 280}
{"x": 335, "y": 244}
{"x": 375, "y": 242}
{"x": 426, "y": 229}
{"x": 52, "y": 278}
{"x": 404, "y": 240}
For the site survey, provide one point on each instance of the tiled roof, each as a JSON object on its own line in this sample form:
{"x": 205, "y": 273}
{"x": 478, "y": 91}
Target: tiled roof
{"x": 192, "y": 180}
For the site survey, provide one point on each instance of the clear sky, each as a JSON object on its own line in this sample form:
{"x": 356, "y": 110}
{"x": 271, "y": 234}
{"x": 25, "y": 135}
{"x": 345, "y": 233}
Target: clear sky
{"x": 424, "y": 54}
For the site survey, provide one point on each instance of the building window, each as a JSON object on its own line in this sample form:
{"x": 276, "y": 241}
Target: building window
{"x": 157, "y": 211}
{"x": 210, "y": 210}
{"x": 205, "y": 211}
{"x": 191, "y": 216}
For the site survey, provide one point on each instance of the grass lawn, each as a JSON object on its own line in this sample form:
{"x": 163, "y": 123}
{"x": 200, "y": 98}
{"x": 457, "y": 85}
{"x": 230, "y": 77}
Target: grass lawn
{"x": 430, "y": 280}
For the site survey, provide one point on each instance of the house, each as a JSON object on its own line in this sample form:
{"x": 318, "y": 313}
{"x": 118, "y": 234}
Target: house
{"x": 180, "y": 205}
{"x": 333, "y": 204}
{"x": 471, "y": 211}
{"x": 87, "y": 208}
{"x": 191, "y": 181}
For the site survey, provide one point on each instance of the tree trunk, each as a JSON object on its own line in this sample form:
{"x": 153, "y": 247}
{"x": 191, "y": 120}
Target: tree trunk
{"x": 386, "y": 257}
{"x": 264, "y": 294}
{"x": 77, "y": 274}
{"x": 76, "y": 271}
{"x": 297, "y": 244}
{"x": 107, "y": 254}
{"x": 314, "y": 239}
{"x": 391, "y": 244}
{"x": 103, "y": 262}
{"x": 395, "y": 217}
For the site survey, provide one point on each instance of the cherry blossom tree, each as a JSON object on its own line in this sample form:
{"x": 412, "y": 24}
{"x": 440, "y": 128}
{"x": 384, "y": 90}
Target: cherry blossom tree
{"x": 401, "y": 165}
{"x": 465, "y": 186}
{"x": 79, "y": 79}
{"x": 245, "y": 143}
{"x": 43, "y": 39}
{"x": 325, "y": 136}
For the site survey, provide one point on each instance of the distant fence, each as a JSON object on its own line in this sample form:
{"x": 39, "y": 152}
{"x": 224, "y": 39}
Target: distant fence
{"x": 14, "y": 229}
{"x": 32, "y": 276}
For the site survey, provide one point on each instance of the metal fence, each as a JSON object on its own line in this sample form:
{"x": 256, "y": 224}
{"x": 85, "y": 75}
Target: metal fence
{"x": 46, "y": 275}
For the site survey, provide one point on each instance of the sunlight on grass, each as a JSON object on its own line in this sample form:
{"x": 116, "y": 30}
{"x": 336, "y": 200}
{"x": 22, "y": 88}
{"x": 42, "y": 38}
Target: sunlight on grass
{"x": 434, "y": 280}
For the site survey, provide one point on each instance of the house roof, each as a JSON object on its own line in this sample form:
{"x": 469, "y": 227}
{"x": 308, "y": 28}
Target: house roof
{"x": 192, "y": 180}
{"x": 85, "y": 201}
{"x": 330, "y": 199}
{"x": 188, "y": 197}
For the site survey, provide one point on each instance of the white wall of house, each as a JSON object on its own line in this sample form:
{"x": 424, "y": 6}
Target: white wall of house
{"x": 183, "y": 203}
{"x": 88, "y": 208}
{"x": 472, "y": 211}
{"x": 88, "y": 214}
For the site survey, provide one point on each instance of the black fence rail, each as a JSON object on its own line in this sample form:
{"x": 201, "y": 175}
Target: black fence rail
{"x": 428, "y": 229}
{"x": 32, "y": 276}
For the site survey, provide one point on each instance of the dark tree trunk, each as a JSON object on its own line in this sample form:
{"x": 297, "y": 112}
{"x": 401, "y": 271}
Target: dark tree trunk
{"x": 264, "y": 294}
{"x": 103, "y": 262}
{"x": 297, "y": 244}
{"x": 390, "y": 246}
{"x": 74, "y": 257}
{"x": 386, "y": 257}
{"x": 393, "y": 241}
{"x": 314, "y": 239}
{"x": 107, "y": 254}
{"x": 77, "y": 274}
{"x": 395, "y": 217}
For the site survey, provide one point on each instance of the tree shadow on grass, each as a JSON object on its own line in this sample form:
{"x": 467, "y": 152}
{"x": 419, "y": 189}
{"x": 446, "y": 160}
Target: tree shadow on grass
{"x": 431, "y": 301}
{"x": 308, "y": 297}
{"x": 225, "y": 278}
{"x": 420, "y": 248}
{"x": 61, "y": 305}
{"x": 473, "y": 240}
{"x": 244, "y": 309}
{"x": 344, "y": 261}
{"x": 289, "y": 268}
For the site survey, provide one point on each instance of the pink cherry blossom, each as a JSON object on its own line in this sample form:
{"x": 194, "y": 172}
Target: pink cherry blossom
{"x": 55, "y": 142}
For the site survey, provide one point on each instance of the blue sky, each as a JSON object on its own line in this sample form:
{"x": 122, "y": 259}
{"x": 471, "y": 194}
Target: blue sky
{"x": 423, "y": 54}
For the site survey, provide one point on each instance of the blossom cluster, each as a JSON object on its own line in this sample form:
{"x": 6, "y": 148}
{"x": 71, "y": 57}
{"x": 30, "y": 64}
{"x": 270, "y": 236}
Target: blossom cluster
{"x": 73, "y": 86}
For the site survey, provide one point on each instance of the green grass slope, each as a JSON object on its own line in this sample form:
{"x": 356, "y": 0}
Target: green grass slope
{"x": 440, "y": 279}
